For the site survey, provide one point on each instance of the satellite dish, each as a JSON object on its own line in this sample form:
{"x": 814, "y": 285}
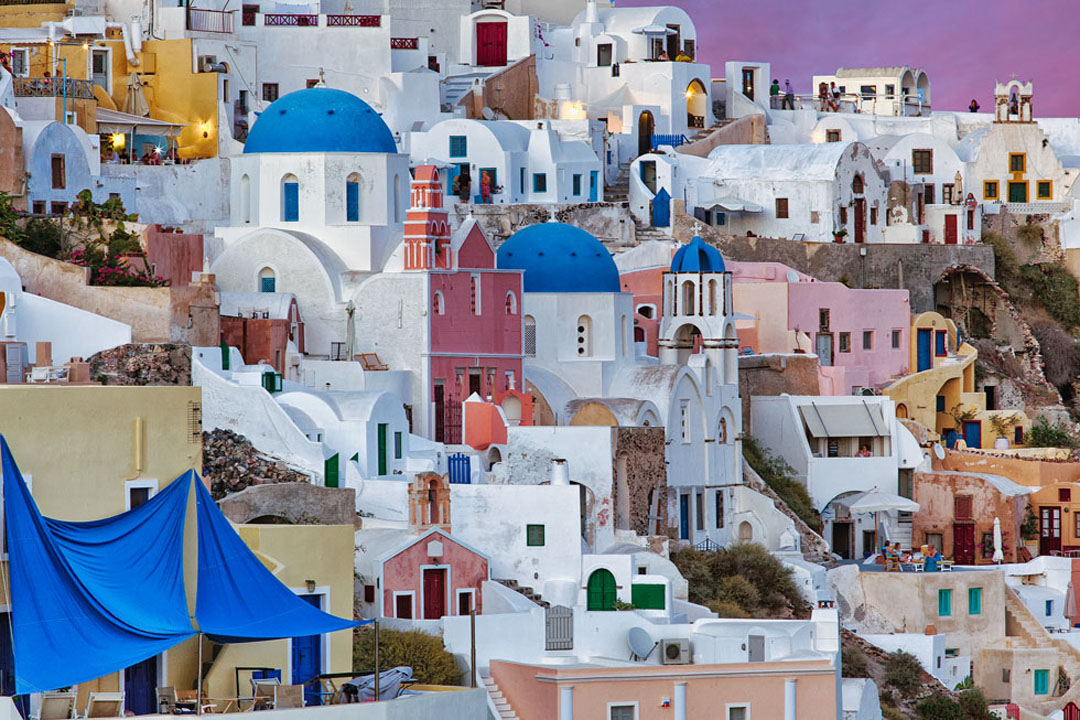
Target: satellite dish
{"x": 487, "y": 113}
{"x": 793, "y": 277}
{"x": 939, "y": 452}
{"x": 641, "y": 645}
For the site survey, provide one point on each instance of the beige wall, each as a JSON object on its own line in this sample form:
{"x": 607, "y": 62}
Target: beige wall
{"x": 768, "y": 302}
{"x": 1021, "y": 664}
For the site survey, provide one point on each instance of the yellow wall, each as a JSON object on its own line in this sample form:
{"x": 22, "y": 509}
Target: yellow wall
{"x": 295, "y": 553}
{"x": 594, "y": 413}
{"x": 31, "y": 16}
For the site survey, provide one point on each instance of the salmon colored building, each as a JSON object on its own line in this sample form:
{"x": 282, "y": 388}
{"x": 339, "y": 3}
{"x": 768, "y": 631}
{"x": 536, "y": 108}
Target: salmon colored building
{"x": 431, "y": 576}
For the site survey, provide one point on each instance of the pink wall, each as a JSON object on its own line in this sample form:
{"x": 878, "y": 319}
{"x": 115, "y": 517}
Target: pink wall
{"x": 174, "y": 257}
{"x": 475, "y": 251}
{"x": 647, "y": 286}
{"x": 403, "y": 573}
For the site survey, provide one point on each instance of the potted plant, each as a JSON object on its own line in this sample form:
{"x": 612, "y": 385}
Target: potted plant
{"x": 1029, "y": 532}
{"x": 839, "y": 235}
{"x": 1002, "y": 424}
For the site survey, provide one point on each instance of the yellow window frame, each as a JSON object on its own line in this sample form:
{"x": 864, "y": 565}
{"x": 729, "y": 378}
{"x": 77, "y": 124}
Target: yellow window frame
{"x": 987, "y": 185}
{"x": 1038, "y": 189}
{"x": 1023, "y": 162}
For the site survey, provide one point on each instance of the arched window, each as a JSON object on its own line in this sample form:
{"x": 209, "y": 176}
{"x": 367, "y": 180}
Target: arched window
{"x": 397, "y": 199}
{"x": 646, "y": 311}
{"x": 290, "y": 198}
{"x": 511, "y": 303}
{"x": 712, "y": 296}
{"x": 530, "y": 336}
{"x": 721, "y": 431}
{"x": 245, "y": 199}
{"x": 352, "y": 198}
{"x": 639, "y": 334}
{"x": 688, "y": 298}
{"x": 746, "y": 532}
{"x": 857, "y": 184}
{"x": 433, "y": 502}
{"x": 438, "y": 305}
{"x": 584, "y": 336}
{"x": 267, "y": 280}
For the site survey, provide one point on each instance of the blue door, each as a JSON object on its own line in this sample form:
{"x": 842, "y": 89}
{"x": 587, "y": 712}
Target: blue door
{"x": 140, "y": 687}
{"x": 290, "y": 210}
{"x": 7, "y": 667}
{"x": 460, "y": 469}
{"x": 925, "y": 338}
{"x": 973, "y": 433}
{"x": 684, "y": 517}
{"x": 352, "y": 201}
{"x": 661, "y": 209}
{"x": 307, "y": 660}
{"x": 593, "y": 182}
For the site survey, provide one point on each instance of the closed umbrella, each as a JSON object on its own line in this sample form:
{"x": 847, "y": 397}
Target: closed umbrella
{"x": 1071, "y": 611}
{"x": 135, "y": 102}
{"x": 999, "y": 556}
{"x": 874, "y": 501}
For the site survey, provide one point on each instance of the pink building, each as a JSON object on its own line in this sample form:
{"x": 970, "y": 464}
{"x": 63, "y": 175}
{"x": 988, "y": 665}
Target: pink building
{"x": 861, "y": 337}
{"x": 475, "y": 319}
{"x": 647, "y": 285}
{"x": 433, "y": 575}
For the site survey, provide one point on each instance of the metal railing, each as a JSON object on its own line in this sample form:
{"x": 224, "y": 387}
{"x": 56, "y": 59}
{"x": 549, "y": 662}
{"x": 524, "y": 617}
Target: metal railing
{"x": 215, "y": 21}
{"x": 402, "y": 43}
{"x": 54, "y": 87}
{"x": 290, "y": 20}
{"x": 353, "y": 20}
{"x": 903, "y": 105}
{"x": 672, "y": 140}
{"x": 31, "y": 2}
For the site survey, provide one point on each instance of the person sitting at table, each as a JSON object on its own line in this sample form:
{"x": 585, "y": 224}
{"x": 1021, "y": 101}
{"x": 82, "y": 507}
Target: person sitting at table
{"x": 931, "y": 561}
{"x": 863, "y": 451}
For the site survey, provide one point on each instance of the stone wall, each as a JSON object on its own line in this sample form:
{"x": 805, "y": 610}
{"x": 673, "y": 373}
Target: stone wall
{"x": 611, "y": 223}
{"x": 232, "y": 464}
{"x": 508, "y": 93}
{"x": 646, "y": 470}
{"x": 12, "y": 174}
{"x": 776, "y": 375}
{"x": 137, "y": 364}
{"x": 294, "y": 503}
{"x": 913, "y": 267}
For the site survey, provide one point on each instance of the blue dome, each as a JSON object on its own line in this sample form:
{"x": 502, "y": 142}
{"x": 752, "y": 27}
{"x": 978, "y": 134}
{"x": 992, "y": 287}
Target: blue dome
{"x": 319, "y": 120}
{"x": 698, "y": 256}
{"x": 557, "y": 257}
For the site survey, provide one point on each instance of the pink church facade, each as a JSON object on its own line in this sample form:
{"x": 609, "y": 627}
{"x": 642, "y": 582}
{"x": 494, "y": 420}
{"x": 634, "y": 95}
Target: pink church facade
{"x": 432, "y": 577}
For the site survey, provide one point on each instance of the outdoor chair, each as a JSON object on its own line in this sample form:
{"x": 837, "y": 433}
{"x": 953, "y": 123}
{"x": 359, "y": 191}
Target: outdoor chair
{"x": 263, "y": 692}
{"x": 57, "y": 706}
{"x": 288, "y": 696}
{"x": 892, "y": 564}
{"x": 105, "y": 704}
{"x": 371, "y": 361}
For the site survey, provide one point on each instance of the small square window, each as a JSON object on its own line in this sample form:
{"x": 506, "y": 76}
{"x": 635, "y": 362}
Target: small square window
{"x": 534, "y": 535}
{"x": 270, "y": 92}
{"x": 539, "y": 182}
{"x": 990, "y": 190}
{"x": 1064, "y": 495}
{"x": 975, "y": 601}
{"x": 896, "y": 339}
{"x": 781, "y": 208}
{"x": 940, "y": 403}
{"x": 868, "y": 340}
{"x": 832, "y": 136}
{"x": 57, "y": 208}
{"x": 944, "y": 603}
{"x": 952, "y": 652}
{"x": 459, "y": 146}
{"x": 464, "y": 599}
{"x": 845, "y": 342}
{"x": 922, "y": 162}
{"x": 1017, "y": 162}
{"x": 138, "y": 496}
{"x": 823, "y": 319}
{"x": 1044, "y": 190}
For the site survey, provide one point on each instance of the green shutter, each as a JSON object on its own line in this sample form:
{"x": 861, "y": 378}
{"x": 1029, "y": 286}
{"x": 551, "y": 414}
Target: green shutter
{"x": 382, "y": 448}
{"x": 975, "y": 601}
{"x": 601, "y": 591}
{"x": 330, "y": 471}
{"x": 647, "y": 596}
{"x": 1042, "y": 682}
{"x": 224, "y": 355}
{"x": 397, "y": 446}
{"x": 944, "y": 603}
{"x": 534, "y": 535}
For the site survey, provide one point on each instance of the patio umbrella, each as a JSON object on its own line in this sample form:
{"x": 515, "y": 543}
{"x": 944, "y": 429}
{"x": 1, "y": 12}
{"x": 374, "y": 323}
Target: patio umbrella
{"x": 874, "y": 501}
{"x": 1071, "y": 610}
{"x": 135, "y": 102}
{"x": 999, "y": 556}
{"x": 654, "y": 29}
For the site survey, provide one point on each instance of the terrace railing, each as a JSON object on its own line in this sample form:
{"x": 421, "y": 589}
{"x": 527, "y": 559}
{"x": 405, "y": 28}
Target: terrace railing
{"x": 214, "y": 21}
{"x": 353, "y": 20}
{"x": 54, "y": 87}
{"x": 290, "y": 20}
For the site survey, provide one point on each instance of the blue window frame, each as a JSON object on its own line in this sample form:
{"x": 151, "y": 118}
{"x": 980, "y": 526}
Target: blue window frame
{"x": 290, "y": 207}
{"x": 352, "y": 201}
{"x": 939, "y": 346}
{"x": 577, "y": 185}
{"x": 459, "y": 146}
{"x": 944, "y": 603}
{"x": 267, "y": 284}
{"x": 975, "y": 601}
{"x": 539, "y": 182}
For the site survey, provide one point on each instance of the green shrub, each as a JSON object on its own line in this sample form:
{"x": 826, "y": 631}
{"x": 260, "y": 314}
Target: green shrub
{"x": 1060, "y": 354}
{"x": 43, "y": 237}
{"x": 424, "y": 653}
{"x": 1030, "y": 234}
{"x": 1056, "y": 290}
{"x": 939, "y": 707}
{"x": 779, "y": 476}
{"x": 903, "y": 672}
{"x": 853, "y": 661}
{"x": 1043, "y": 434}
{"x": 737, "y": 590}
{"x": 9, "y": 219}
{"x": 973, "y": 705}
{"x": 1006, "y": 264}
{"x": 745, "y": 575}
{"x": 726, "y": 609}
{"x": 891, "y": 713}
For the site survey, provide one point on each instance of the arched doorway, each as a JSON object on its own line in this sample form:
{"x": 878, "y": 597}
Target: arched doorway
{"x": 697, "y": 102}
{"x": 901, "y": 411}
{"x": 746, "y": 532}
{"x": 601, "y": 590}
{"x": 645, "y": 127}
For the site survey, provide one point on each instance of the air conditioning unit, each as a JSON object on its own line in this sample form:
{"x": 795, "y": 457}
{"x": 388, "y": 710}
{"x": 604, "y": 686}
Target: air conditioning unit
{"x": 675, "y": 652}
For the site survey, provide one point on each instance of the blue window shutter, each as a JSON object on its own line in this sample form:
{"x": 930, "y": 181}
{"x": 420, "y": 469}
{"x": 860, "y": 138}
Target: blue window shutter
{"x": 352, "y": 201}
{"x": 291, "y": 207}
{"x": 577, "y": 184}
{"x": 458, "y": 146}
{"x": 267, "y": 284}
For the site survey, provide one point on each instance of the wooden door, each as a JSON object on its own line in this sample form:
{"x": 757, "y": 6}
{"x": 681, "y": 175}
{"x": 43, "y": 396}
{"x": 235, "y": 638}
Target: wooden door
{"x": 1049, "y": 529}
{"x": 645, "y": 132}
{"x": 973, "y": 433}
{"x": 434, "y": 593}
{"x": 860, "y": 220}
{"x": 440, "y": 419}
{"x": 755, "y": 648}
{"x": 491, "y": 44}
{"x": 824, "y": 349}
{"x": 964, "y": 543}
{"x": 950, "y": 229}
{"x": 601, "y": 592}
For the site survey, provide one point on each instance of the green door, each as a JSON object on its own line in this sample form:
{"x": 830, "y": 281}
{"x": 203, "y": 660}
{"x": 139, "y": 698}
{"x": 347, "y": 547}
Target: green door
{"x": 1018, "y": 192}
{"x": 382, "y": 448}
{"x": 330, "y": 471}
{"x": 601, "y": 590}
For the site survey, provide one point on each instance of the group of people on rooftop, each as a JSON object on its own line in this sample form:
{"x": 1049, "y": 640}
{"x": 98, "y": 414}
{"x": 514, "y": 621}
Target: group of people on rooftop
{"x": 893, "y": 556}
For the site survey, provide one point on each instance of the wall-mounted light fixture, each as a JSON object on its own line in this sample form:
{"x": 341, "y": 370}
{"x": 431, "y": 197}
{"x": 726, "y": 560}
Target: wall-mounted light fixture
{"x": 310, "y": 585}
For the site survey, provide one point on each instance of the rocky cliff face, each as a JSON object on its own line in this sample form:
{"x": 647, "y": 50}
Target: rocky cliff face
{"x": 231, "y": 464}
{"x": 143, "y": 364}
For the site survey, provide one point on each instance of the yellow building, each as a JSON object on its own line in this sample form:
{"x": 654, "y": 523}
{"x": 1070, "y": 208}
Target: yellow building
{"x": 940, "y": 393}
{"x": 101, "y": 68}
{"x": 90, "y": 452}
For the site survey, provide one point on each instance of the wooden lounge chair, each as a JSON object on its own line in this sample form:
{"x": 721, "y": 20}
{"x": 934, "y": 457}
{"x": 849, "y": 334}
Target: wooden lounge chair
{"x": 57, "y": 706}
{"x": 105, "y": 705}
{"x": 371, "y": 361}
{"x": 288, "y": 696}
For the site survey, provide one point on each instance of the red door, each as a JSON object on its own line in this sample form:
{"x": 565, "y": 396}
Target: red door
{"x": 860, "y": 220}
{"x": 434, "y": 593}
{"x": 964, "y": 543}
{"x": 1072, "y": 712}
{"x": 491, "y": 44}
{"x": 950, "y": 229}
{"x": 1049, "y": 529}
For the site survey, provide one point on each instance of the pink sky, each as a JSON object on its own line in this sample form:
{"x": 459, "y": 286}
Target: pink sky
{"x": 964, "y": 45}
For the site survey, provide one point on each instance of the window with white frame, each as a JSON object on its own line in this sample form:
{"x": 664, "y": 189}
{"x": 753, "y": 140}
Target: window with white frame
{"x": 404, "y": 605}
{"x": 738, "y": 712}
{"x": 138, "y": 492}
{"x": 465, "y": 601}
{"x": 20, "y": 62}
{"x": 622, "y": 711}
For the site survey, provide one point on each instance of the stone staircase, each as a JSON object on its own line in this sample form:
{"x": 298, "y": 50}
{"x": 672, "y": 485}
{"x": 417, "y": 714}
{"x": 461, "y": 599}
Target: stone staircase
{"x": 1032, "y": 634}
{"x": 644, "y": 233}
{"x": 702, "y": 134}
{"x": 619, "y": 191}
{"x": 454, "y": 87}
{"x": 497, "y": 700}
{"x": 528, "y": 592}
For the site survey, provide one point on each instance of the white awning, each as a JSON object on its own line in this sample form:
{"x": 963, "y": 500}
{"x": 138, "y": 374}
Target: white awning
{"x": 733, "y": 204}
{"x": 654, "y": 30}
{"x": 869, "y": 502}
{"x": 843, "y": 421}
{"x": 110, "y": 121}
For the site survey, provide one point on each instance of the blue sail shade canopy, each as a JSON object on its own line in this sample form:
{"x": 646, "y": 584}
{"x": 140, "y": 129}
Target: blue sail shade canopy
{"x": 91, "y": 598}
